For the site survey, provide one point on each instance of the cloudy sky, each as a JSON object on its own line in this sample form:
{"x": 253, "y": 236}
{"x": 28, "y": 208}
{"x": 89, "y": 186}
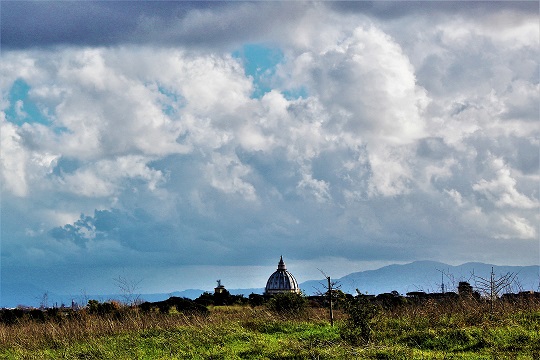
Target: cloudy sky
{"x": 176, "y": 143}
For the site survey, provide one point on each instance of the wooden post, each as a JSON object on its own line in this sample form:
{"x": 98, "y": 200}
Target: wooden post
{"x": 331, "y": 302}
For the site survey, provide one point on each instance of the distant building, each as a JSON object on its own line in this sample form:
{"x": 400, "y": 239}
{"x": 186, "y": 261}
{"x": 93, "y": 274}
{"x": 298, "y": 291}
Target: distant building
{"x": 219, "y": 289}
{"x": 281, "y": 281}
{"x": 417, "y": 294}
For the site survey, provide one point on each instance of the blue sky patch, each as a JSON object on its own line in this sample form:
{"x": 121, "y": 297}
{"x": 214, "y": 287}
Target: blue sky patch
{"x": 66, "y": 165}
{"x": 297, "y": 93}
{"x": 21, "y": 107}
{"x": 260, "y": 63}
{"x": 173, "y": 103}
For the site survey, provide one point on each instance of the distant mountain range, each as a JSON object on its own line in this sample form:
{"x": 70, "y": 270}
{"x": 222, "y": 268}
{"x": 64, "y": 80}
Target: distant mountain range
{"x": 426, "y": 276}
{"x": 416, "y": 276}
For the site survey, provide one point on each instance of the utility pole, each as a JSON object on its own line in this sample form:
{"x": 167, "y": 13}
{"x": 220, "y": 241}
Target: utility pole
{"x": 442, "y": 283}
{"x": 442, "y": 279}
{"x": 492, "y": 294}
{"x": 330, "y": 293}
{"x": 331, "y": 301}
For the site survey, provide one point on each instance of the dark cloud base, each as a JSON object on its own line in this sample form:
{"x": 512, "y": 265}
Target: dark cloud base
{"x": 27, "y": 24}
{"x": 86, "y": 23}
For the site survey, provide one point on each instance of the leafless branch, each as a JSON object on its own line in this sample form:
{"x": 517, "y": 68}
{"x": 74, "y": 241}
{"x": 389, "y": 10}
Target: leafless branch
{"x": 128, "y": 290}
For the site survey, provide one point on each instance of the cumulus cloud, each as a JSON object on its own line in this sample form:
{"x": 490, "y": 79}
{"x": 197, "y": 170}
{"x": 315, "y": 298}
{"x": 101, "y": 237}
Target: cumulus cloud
{"x": 376, "y": 141}
{"x": 102, "y": 178}
{"x": 501, "y": 190}
{"x": 13, "y": 158}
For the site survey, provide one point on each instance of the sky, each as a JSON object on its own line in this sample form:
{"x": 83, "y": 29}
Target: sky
{"x": 177, "y": 143}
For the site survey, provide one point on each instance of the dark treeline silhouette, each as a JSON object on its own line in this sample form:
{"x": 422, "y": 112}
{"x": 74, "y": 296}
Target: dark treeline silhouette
{"x": 182, "y": 305}
{"x": 200, "y": 305}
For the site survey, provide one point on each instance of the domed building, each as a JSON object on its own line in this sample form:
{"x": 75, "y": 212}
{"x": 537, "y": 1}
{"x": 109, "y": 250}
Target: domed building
{"x": 281, "y": 281}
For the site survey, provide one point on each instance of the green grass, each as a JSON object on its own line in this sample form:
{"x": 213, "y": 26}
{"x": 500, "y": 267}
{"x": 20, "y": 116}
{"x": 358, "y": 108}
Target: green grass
{"x": 282, "y": 340}
{"x": 245, "y": 333}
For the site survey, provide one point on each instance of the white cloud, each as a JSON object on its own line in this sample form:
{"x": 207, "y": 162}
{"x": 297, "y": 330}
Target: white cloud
{"x": 509, "y": 29}
{"x": 401, "y": 144}
{"x": 516, "y": 227}
{"x": 21, "y": 114}
{"x": 103, "y": 178}
{"x": 456, "y": 196}
{"x": 13, "y": 157}
{"x": 368, "y": 81}
{"x": 501, "y": 190}
{"x": 319, "y": 189}
{"x": 226, "y": 173}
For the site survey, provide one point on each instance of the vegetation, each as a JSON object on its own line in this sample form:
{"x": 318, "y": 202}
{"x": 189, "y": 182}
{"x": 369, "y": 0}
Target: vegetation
{"x": 431, "y": 329}
{"x": 291, "y": 304}
{"x": 358, "y": 326}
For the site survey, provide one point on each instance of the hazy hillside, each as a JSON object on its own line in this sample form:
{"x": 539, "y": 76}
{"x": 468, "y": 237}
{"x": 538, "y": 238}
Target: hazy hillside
{"x": 425, "y": 276}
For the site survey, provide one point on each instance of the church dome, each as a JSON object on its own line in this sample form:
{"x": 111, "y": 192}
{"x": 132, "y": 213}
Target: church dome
{"x": 281, "y": 281}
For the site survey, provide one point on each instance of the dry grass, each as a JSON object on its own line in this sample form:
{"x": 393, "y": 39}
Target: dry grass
{"x": 409, "y": 331}
{"x": 462, "y": 313}
{"x": 31, "y": 335}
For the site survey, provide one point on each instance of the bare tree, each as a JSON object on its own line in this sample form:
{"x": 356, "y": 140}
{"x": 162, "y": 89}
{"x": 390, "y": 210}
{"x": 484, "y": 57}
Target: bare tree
{"x": 331, "y": 287}
{"x": 494, "y": 286}
{"x": 128, "y": 290}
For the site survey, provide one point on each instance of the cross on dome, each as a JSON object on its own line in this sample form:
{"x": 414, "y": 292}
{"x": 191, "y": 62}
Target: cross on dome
{"x": 281, "y": 264}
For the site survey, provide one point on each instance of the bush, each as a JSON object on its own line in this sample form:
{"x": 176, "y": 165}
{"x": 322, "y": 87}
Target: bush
{"x": 288, "y": 303}
{"x": 55, "y": 314}
{"x": 11, "y": 316}
{"x": 357, "y": 328}
{"x": 223, "y": 298}
{"x": 106, "y": 308}
{"x": 255, "y": 300}
{"x": 37, "y": 315}
{"x": 182, "y": 305}
{"x": 187, "y": 306}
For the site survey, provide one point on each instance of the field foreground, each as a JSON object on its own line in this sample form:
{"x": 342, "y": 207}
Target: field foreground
{"x": 431, "y": 331}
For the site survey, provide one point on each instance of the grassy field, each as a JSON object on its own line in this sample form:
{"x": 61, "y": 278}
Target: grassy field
{"x": 461, "y": 330}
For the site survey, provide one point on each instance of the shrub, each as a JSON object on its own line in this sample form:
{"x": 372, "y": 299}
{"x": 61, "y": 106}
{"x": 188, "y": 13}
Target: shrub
{"x": 37, "y": 315}
{"x": 187, "y": 306}
{"x": 54, "y": 314}
{"x": 288, "y": 303}
{"x": 106, "y": 308}
{"x": 11, "y": 316}
{"x": 357, "y": 328}
{"x": 255, "y": 300}
{"x": 182, "y": 305}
